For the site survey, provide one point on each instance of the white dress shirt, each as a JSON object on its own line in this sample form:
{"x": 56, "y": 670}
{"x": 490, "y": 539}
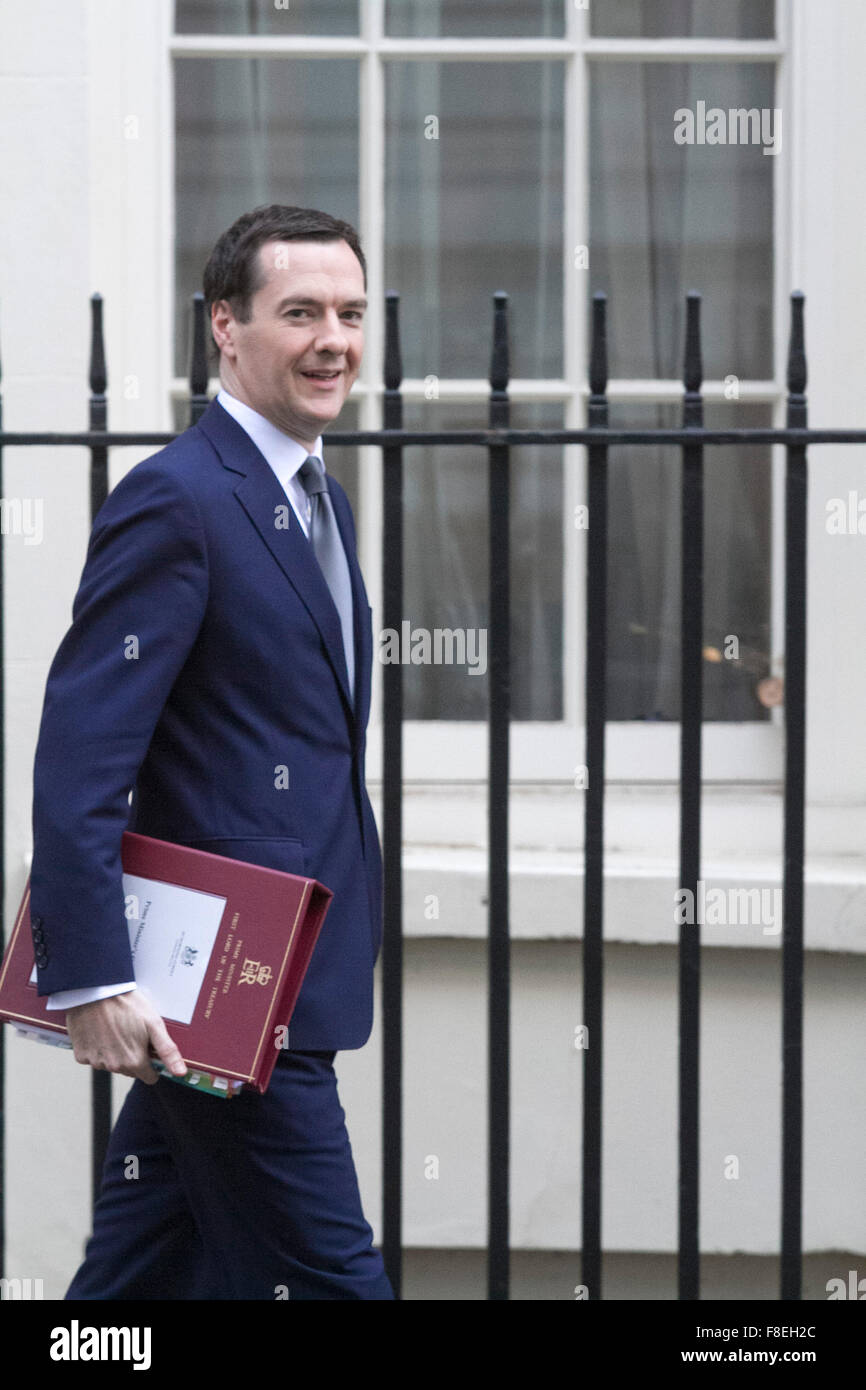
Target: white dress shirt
{"x": 285, "y": 455}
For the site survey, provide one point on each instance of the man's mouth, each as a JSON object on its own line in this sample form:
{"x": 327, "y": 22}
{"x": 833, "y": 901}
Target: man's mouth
{"x": 322, "y": 375}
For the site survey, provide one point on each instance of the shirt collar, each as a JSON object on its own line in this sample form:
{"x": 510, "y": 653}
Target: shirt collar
{"x": 284, "y": 454}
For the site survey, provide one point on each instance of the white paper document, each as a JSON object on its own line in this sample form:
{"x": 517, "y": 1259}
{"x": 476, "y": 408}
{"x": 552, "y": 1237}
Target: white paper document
{"x": 172, "y": 932}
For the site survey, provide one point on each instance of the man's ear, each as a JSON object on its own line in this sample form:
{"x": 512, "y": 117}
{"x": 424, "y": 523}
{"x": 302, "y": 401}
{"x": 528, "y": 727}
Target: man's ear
{"x": 222, "y": 322}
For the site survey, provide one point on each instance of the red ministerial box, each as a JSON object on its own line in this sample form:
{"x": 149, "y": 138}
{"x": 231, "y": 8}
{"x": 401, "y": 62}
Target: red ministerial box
{"x": 222, "y": 947}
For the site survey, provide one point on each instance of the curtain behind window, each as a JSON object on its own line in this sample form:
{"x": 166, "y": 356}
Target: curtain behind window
{"x": 253, "y": 131}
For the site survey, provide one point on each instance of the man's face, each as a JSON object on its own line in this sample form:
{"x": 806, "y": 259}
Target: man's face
{"x": 307, "y": 318}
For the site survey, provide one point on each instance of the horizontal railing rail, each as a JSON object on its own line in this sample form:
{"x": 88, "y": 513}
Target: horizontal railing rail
{"x": 483, "y": 438}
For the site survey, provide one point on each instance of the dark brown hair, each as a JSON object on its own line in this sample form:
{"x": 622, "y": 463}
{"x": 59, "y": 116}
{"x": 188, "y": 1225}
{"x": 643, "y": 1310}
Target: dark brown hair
{"x": 233, "y": 271}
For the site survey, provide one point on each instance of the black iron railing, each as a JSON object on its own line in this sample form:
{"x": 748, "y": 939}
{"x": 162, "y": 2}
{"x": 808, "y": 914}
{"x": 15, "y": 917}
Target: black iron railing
{"x": 498, "y": 438}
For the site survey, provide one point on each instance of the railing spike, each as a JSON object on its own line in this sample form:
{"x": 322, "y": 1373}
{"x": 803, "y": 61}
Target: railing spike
{"x": 693, "y": 367}
{"x": 98, "y": 377}
{"x": 797, "y": 372}
{"x": 393, "y": 360}
{"x": 598, "y": 346}
{"x": 499, "y": 364}
{"x": 198, "y": 370}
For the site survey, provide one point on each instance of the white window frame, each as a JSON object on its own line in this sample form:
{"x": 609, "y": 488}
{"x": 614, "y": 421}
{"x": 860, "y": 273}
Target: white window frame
{"x": 140, "y": 52}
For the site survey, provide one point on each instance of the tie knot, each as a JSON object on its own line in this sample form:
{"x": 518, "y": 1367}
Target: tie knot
{"x": 312, "y": 476}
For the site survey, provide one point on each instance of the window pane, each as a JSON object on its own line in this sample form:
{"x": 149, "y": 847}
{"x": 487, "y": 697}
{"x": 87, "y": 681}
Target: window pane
{"x": 668, "y": 217}
{"x": 644, "y": 569}
{"x": 342, "y": 462}
{"x": 253, "y": 131}
{"x": 326, "y": 17}
{"x": 180, "y": 413}
{"x": 678, "y": 19}
{"x": 475, "y": 210}
{"x": 425, "y": 19}
{"x": 446, "y": 546}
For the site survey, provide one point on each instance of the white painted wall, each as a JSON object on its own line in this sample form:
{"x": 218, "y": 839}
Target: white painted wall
{"x": 45, "y": 239}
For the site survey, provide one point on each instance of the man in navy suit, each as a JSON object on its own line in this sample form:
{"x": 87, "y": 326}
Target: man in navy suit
{"x": 214, "y": 690}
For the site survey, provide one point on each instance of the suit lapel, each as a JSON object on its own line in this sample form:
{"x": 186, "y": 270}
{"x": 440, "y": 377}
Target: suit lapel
{"x": 268, "y": 508}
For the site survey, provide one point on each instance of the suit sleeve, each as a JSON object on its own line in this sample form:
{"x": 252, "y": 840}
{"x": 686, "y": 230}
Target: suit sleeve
{"x": 135, "y": 618}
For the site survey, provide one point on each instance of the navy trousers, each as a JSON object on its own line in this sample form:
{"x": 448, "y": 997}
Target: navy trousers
{"x": 250, "y": 1198}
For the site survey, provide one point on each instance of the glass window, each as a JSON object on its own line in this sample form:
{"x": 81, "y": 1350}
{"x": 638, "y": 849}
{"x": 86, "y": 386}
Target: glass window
{"x": 342, "y": 461}
{"x": 180, "y": 417}
{"x": 474, "y": 209}
{"x": 666, "y": 217}
{"x": 251, "y": 131}
{"x": 665, "y": 19}
{"x": 326, "y": 17}
{"x": 447, "y": 550}
{"x": 479, "y": 19}
{"x": 644, "y": 568}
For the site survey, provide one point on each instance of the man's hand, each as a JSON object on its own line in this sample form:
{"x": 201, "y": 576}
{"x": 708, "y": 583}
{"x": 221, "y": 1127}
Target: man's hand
{"x": 117, "y": 1034}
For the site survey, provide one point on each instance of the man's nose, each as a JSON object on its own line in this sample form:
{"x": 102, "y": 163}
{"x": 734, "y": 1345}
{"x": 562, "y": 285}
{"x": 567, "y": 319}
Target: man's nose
{"x": 332, "y": 335}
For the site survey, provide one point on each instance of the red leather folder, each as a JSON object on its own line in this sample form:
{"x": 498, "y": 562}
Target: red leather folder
{"x": 251, "y": 959}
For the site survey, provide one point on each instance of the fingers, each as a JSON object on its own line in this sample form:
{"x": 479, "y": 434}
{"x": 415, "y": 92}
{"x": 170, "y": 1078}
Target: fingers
{"x": 165, "y": 1049}
{"x": 117, "y": 1034}
{"x": 127, "y": 1061}
{"x": 146, "y": 1073}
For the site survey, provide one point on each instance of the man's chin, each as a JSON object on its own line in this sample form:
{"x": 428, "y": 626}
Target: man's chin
{"x": 325, "y": 411}
{"x": 305, "y": 419}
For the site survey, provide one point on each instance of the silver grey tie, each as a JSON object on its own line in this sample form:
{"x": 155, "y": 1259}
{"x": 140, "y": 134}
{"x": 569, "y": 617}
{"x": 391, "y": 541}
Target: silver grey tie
{"x": 328, "y": 549}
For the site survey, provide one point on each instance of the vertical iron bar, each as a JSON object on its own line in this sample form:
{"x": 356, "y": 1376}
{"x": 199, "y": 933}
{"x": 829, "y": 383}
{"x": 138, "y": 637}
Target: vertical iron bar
{"x": 593, "y": 880}
{"x": 796, "y": 496}
{"x": 98, "y": 407}
{"x": 691, "y": 712}
{"x": 499, "y": 965}
{"x": 100, "y": 1082}
{"x": 198, "y": 372}
{"x": 392, "y": 812}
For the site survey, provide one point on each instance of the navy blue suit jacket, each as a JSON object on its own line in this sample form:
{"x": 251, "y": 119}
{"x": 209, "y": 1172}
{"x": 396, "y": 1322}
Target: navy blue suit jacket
{"x": 205, "y": 656}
